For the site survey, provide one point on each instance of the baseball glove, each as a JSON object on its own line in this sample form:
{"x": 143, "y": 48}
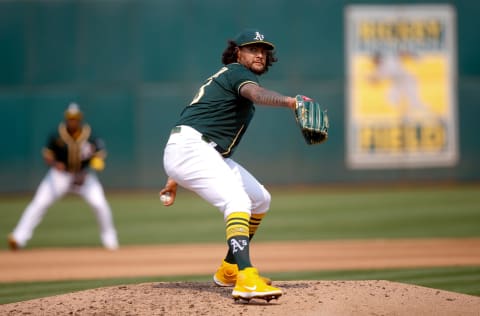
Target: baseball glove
{"x": 312, "y": 119}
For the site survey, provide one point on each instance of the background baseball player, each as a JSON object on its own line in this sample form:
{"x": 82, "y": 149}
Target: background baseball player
{"x": 73, "y": 155}
{"x": 198, "y": 156}
{"x": 404, "y": 87}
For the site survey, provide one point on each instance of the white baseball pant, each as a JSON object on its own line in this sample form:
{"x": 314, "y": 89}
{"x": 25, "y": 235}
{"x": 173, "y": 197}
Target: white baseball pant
{"x": 56, "y": 184}
{"x": 195, "y": 165}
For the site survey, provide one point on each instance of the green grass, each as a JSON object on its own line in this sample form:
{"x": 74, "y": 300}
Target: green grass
{"x": 296, "y": 214}
{"x": 310, "y": 214}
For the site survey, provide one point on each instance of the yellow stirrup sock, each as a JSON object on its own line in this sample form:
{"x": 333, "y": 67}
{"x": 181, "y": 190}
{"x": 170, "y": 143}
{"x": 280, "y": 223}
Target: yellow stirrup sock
{"x": 237, "y": 224}
{"x": 255, "y": 220}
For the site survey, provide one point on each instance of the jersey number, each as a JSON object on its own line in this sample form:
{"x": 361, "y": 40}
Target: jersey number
{"x": 201, "y": 91}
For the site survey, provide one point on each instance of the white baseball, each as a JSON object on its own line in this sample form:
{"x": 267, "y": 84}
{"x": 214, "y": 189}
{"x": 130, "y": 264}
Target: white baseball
{"x": 165, "y": 198}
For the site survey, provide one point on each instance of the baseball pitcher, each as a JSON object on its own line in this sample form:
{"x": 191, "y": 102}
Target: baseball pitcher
{"x": 198, "y": 155}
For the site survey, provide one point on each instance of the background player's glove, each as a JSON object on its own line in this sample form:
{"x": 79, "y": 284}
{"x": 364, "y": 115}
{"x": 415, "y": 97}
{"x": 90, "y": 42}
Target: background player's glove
{"x": 313, "y": 121}
{"x": 97, "y": 163}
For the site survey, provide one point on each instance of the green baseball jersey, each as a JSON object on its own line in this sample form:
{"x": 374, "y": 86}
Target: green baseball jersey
{"x": 218, "y": 111}
{"x": 75, "y": 153}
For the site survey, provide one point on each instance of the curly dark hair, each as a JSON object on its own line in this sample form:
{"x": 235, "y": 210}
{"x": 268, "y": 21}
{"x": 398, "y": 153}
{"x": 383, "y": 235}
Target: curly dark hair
{"x": 229, "y": 55}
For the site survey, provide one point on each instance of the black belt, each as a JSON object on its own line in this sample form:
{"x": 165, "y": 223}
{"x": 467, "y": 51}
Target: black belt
{"x": 178, "y": 129}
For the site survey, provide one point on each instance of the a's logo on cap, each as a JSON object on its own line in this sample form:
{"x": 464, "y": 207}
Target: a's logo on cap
{"x": 258, "y": 36}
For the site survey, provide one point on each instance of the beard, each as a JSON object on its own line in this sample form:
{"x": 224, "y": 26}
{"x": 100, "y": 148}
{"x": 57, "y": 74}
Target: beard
{"x": 257, "y": 71}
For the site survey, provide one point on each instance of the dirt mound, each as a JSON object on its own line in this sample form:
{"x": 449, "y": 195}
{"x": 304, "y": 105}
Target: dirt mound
{"x": 198, "y": 298}
{"x": 300, "y": 298}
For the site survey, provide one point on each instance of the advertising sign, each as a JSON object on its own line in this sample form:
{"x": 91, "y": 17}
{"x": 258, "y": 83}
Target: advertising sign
{"x": 401, "y": 93}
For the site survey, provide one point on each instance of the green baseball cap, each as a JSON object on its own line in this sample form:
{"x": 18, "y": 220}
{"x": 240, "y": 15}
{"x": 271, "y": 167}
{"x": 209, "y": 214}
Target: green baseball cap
{"x": 252, "y": 36}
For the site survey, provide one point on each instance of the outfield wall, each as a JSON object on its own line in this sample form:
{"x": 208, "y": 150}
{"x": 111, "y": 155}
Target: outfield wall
{"x": 133, "y": 65}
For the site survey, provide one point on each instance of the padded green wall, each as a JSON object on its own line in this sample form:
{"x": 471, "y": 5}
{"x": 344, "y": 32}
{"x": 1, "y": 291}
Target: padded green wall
{"x": 133, "y": 65}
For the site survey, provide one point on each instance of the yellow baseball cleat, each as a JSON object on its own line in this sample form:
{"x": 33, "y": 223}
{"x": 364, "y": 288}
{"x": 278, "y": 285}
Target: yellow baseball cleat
{"x": 250, "y": 285}
{"x": 226, "y": 275}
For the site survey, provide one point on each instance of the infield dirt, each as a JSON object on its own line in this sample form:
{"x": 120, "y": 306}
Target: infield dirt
{"x": 369, "y": 297}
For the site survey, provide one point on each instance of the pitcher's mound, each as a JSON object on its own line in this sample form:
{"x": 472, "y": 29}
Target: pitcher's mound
{"x": 299, "y": 298}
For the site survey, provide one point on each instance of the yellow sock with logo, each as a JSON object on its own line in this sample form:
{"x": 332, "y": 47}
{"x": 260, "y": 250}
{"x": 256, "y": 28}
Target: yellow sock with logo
{"x": 254, "y": 222}
{"x": 237, "y": 232}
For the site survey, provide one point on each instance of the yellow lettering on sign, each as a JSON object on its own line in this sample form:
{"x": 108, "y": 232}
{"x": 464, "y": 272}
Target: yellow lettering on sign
{"x": 366, "y": 31}
{"x": 366, "y": 138}
{"x": 433, "y": 29}
{"x": 434, "y": 137}
{"x": 403, "y": 29}
{"x": 403, "y": 138}
{"x": 411, "y": 140}
{"x": 416, "y": 30}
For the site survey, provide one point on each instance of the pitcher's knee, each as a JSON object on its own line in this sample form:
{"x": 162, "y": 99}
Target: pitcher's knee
{"x": 240, "y": 203}
{"x": 262, "y": 205}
